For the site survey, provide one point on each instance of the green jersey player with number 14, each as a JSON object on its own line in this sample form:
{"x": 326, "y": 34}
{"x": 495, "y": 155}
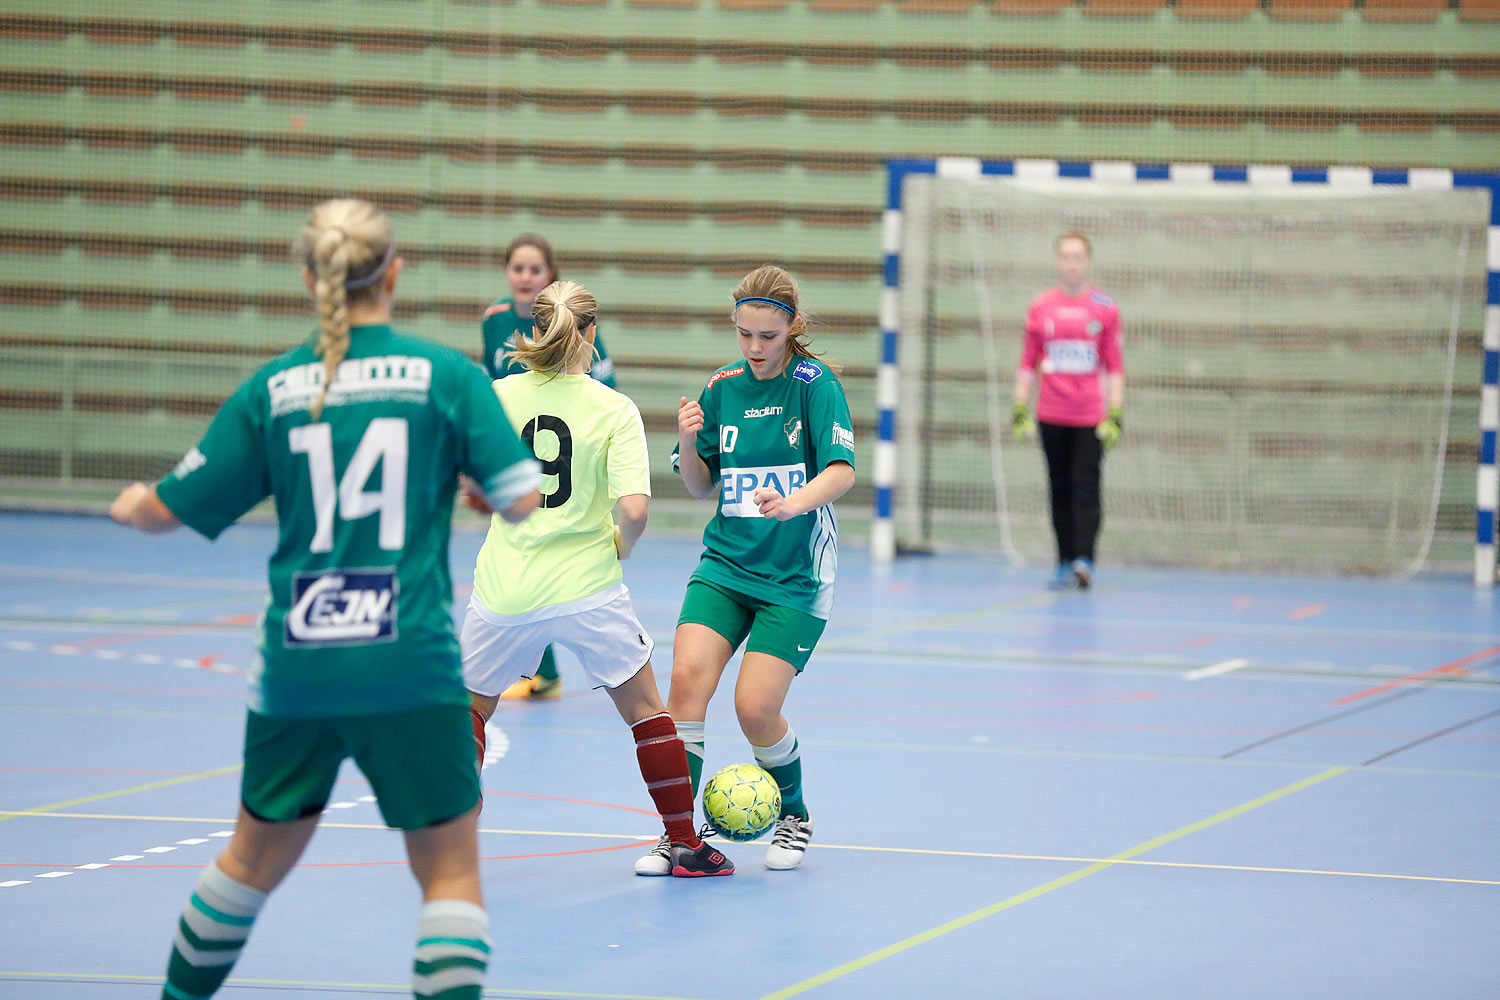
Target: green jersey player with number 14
{"x": 771, "y": 437}
{"x": 360, "y": 438}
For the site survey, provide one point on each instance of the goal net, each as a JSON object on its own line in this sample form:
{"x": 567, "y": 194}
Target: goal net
{"x": 1289, "y": 355}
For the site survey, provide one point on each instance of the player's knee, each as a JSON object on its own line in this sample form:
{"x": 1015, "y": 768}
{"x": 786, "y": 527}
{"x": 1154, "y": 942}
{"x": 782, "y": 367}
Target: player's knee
{"x": 757, "y": 713}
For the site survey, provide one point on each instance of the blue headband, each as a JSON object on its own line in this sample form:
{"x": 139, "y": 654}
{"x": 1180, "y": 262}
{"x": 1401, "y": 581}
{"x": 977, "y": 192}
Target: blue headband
{"x": 375, "y": 275}
{"x": 770, "y": 302}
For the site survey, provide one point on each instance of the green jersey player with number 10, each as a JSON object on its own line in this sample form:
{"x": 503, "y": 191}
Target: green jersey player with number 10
{"x": 771, "y": 437}
{"x": 360, "y": 437}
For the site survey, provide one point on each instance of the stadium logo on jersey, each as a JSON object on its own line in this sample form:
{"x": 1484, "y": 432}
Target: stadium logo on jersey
{"x": 359, "y": 380}
{"x": 728, "y": 373}
{"x": 763, "y": 411}
{"x": 841, "y": 437}
{"x": 341, "y": 606}
{"x": 793, "y": 430}
{"x": 737, "y": 486}
{"x": 191, "y": 462}
{"x": 806, "y": 371}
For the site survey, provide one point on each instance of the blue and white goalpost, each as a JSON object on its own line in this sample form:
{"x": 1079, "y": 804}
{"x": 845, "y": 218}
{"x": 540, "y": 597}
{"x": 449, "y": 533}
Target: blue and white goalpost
{"x": 950, "y": 320}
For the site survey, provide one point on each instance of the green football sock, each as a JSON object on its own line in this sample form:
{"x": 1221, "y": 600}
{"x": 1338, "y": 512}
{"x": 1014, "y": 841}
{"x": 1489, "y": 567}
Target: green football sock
{"x": 453, "y": 951}
{"x": 210, "y": 935}
{"x": 547, "y": 670}
{"x": 784, "y": 763}
{"x": 692, "y": 741}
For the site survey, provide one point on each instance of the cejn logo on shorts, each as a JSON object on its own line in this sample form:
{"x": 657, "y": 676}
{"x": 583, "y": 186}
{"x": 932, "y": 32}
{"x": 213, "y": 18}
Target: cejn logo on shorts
{"x": 340, "y": 606}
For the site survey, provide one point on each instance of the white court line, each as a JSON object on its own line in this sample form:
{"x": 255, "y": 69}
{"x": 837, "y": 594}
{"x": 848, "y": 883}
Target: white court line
{"x": 1216, "y": 669}
{"x": 128, "y": 857}
{"x": 52, "y": 875}
{"x": 91, "y": 866}
{"x": 7, "y": 885}
{"x": 159, "y": 850}
{"x": 20, "y": 646}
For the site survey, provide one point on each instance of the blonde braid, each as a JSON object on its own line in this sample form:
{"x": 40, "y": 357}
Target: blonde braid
{"x": 330, "y": 268}
{"x": 342, "y": 235}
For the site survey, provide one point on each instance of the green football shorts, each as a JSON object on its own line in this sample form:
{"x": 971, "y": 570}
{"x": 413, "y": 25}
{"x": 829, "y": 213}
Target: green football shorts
{"x": 778, "y": 631}
{"x": 420, "y": 764}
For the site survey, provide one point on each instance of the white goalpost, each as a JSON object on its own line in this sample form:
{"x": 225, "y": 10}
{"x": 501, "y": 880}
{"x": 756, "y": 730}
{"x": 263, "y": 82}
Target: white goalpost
{"x": 1291, "y": 346}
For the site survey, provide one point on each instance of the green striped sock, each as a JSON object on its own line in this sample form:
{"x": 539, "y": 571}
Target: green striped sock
{"x": 453, "y": 951}
{"x": 784, "y": 763}
{"x": 691, "y": 734}
{"x": 211, "y": 934}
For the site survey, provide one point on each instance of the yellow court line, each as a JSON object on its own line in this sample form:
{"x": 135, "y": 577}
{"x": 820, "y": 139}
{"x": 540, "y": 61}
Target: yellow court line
{"x": 1046, "y": 887}
{"x": 399, "y": 988}
{"x": 181, "y": 779}
{"x": 996, "y": 855}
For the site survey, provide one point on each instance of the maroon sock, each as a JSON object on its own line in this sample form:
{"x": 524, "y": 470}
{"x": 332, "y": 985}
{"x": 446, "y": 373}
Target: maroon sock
{"x": 664, "y": 765}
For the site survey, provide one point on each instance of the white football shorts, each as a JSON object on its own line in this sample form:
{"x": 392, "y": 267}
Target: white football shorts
{"x": 607, "y": 638}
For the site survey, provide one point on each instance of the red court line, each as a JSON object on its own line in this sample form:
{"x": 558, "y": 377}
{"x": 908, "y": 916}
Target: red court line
{"x": 1307, "y": 611}
{"x": 1455, "y": 667}
{"x": 161, "y": 633}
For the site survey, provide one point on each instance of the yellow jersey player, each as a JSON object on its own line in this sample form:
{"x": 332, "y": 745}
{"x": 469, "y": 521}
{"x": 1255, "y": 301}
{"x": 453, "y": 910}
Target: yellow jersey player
{"x": 530, "y": 266}
{"x": 557, "y": 578}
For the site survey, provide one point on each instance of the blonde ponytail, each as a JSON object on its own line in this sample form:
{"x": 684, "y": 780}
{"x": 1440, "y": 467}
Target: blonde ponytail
{"x": 562, "y": 311}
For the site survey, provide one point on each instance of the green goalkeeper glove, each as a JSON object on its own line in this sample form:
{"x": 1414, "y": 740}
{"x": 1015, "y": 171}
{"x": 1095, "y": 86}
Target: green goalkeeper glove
{"x": 1108, "y": 432}
{"x": 1022, "y": 426}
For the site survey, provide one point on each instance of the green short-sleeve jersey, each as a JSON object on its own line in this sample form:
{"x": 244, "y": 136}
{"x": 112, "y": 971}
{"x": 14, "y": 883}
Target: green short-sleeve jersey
{"x": 778, "y": 432}
{"x": 592, "y": 447}
{"x": 499, "y": 328}
{"x": 359, "y": 620}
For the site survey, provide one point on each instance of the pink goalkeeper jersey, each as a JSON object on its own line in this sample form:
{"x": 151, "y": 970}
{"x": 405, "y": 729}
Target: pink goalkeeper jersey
{"x": 1071, "y": 342}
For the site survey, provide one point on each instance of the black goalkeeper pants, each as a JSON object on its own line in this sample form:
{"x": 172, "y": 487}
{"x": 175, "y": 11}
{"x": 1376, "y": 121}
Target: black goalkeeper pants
{"x": 1074, "y": 461}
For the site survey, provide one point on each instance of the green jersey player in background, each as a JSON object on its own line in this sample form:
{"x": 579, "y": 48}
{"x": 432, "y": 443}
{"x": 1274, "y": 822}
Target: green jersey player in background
{"x": 770, "y": 437}
{"x": 557, "y": 578}
{"x": 530, "y": 266}
{"x": 360, "y": 435}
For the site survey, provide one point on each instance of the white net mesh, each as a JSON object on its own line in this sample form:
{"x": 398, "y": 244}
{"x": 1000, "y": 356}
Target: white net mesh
{"x": 1289, "y": 358}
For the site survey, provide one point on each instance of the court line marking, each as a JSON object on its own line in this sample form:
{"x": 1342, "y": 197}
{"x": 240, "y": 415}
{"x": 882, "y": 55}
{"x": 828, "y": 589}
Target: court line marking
{"x": 1451, "y": 667}
{"x": 403, "y": 989}
{"x": 1217, "y": 669}
{"x": 167, "y": 782}
{"x": 1315, "y": 723}
{"x": 1433, "y": 736}
{"x": 643, "y": 840}
{"x": 1057, "y": 883}
{"x": 232, "y": 584}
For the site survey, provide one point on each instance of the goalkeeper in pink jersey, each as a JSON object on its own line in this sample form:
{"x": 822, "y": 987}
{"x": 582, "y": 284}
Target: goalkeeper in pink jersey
{"x": 1073, "y": 347}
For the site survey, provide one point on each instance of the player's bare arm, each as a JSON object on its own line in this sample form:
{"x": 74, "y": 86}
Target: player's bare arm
{"x": 138, "y": 506}
{"x": 695, "y": 475}
{"x": 632, "y": 523}
{"x": 824, "y": 488}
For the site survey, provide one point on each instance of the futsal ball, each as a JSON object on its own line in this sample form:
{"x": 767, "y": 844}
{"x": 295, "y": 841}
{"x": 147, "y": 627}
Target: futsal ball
{"x": 741, "y": 801}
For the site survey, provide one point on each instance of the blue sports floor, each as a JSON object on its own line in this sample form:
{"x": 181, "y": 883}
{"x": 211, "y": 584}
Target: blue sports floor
{"x": 1179, "y": 785}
